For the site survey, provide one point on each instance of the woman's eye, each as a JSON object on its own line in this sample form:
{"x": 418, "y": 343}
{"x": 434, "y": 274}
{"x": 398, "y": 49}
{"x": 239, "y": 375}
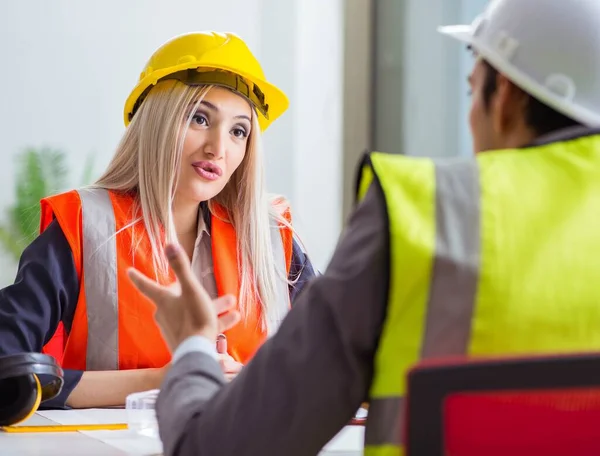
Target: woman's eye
{"x": 239, "y": 133}
{"x": 199, "y": 119}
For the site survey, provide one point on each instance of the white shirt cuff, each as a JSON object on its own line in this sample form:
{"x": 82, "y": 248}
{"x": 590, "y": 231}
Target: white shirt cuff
{"x": 195, "y": 344}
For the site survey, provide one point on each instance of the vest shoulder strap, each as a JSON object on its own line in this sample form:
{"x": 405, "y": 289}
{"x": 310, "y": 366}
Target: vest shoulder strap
{"x": 66, "y": 209}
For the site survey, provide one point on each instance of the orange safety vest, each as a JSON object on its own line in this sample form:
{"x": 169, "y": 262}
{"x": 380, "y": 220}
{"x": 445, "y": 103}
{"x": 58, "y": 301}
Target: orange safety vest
{"x": 113, "y": 326}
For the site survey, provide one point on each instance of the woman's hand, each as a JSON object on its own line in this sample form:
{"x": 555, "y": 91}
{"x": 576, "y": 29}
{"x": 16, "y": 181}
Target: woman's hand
{"x": 229, "y": 365}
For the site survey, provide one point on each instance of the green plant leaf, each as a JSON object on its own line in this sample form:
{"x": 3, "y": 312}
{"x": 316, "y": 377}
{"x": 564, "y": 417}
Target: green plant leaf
{"x": 55, "y": 170}
{"x": 31, "y": 183}
{"x": 39, "y": 173}
{"x": 88, "y": 170}
{"x": 7, "y": 239}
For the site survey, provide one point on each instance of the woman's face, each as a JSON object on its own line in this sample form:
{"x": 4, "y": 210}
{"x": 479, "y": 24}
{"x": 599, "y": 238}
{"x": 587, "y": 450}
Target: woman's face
{"x": 214, "y": 145}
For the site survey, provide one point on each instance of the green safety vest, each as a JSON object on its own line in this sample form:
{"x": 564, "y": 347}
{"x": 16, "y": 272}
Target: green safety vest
{"x": 493, "y": 255}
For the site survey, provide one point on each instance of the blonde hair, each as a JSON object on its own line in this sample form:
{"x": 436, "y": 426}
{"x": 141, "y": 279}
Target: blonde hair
{"x": 147, "y": 163}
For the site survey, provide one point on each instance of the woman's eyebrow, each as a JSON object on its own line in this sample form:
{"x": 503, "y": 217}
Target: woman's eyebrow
{"x": 212, "y": 107}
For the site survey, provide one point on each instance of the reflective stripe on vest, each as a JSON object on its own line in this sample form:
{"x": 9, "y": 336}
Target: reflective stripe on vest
{"x": 282, "y": 295}
{"x": 100, "y": 279}
{"x": 101, "y": 292}
{"x": 456, "y": 260}
{"x": 453, "y": 235}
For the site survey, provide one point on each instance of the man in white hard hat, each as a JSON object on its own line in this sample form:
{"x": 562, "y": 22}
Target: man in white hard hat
{"x": 494, "y": 254}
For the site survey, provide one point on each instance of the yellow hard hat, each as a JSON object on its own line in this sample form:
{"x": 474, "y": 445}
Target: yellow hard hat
{"x": 211, "y": 58}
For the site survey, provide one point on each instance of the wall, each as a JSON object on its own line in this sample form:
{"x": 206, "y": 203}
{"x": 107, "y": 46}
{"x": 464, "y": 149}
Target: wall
{"x": 70, "y": 65}
{"x": 304, "y": 39}
{"x": 421, "y": 88}
{"x": 416, "y": 78}
{"x": 359, "y": 26}
{"x": 469, "y": 9}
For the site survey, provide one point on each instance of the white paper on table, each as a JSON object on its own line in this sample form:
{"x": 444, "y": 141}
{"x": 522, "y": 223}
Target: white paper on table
{"x": 124, "y": 440}
{"x": 86, "y": 416}
{"x": 348, "y": 439}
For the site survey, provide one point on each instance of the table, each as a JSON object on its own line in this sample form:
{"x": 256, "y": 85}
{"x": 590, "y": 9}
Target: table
{"x": 123, "y": 442}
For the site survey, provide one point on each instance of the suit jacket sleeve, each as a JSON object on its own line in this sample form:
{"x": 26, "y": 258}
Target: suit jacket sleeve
{"x": 308, "y": 380}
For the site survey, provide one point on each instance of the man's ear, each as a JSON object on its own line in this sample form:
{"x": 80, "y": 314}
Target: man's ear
{"x": 509, "y": 104}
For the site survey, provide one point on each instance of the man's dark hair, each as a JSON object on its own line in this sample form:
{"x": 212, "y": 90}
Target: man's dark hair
{"x": 540, "y": 117}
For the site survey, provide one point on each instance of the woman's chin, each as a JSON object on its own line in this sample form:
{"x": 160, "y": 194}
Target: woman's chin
{"x": 205, "y": 192}
{"x": 199, "y": 191}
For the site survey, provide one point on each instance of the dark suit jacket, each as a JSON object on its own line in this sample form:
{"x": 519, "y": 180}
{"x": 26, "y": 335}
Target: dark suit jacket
{"x": 308, "y": 380}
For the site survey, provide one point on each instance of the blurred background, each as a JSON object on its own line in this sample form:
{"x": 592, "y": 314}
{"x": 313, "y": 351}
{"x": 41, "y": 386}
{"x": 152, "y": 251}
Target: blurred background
{"x": 360, "y": 74}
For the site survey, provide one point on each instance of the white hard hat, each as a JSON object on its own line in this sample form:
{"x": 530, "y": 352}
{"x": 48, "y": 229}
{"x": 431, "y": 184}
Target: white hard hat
{"x": 549, "y": 48}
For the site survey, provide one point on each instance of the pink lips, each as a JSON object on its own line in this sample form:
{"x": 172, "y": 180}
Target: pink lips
{"x": 207, "y": 170}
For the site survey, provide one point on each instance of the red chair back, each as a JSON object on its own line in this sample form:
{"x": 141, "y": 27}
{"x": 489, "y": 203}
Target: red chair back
{"x": 521, "y": 406}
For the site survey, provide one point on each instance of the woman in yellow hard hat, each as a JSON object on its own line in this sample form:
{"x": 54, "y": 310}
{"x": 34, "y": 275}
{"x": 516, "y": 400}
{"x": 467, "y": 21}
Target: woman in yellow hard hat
{"x": 189, "y": 169}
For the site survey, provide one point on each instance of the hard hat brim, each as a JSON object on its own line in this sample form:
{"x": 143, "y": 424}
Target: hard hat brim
{"x": 466, "y": 34}
{"x": 276, "y": 98}
{"x": 462, "y": 33}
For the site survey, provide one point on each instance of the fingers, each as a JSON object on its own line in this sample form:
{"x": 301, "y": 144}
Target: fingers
{"x": 230, "y": 377}
{"x": 228, "y": 320}
{"x": 224, "y": 303}
{"x": 221, "y": 344}
{"x": 223, "y": 357}
{"x": 229, "y": 365}
{"x": 147, "y": 287}
{"x": 180, "y": 264}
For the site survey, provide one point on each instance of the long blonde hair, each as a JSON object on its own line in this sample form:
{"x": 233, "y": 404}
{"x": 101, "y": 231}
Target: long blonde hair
{"x": 147, "y": 163}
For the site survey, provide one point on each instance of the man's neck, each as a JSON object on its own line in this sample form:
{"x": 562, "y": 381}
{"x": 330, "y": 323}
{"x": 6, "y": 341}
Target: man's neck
{"x": 518, "y": 138}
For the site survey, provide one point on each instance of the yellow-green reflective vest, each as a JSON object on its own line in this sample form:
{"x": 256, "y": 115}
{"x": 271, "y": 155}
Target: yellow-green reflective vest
{"x": 498, "y": 254}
